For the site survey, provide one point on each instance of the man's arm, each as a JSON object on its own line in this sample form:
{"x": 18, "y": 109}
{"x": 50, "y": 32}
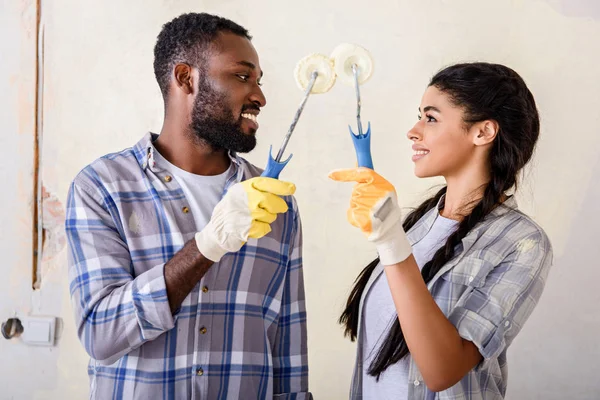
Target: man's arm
{"x": 290, "y": 351}
{"x": 247, "y": 210}
{"x": 183, "y": 272}
{"x": 114, "y": 312}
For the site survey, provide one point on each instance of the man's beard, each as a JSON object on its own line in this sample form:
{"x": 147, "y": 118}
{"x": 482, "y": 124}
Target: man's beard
{"x": 213, "y": 122}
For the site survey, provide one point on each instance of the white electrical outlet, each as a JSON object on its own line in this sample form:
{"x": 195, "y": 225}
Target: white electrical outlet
{"x": 38, "y": 330}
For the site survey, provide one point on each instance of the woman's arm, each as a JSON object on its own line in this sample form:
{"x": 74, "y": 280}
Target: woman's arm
{"x": 442, "y": 356}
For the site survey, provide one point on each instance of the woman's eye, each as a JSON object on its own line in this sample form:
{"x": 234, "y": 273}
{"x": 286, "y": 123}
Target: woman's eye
{"x": 430, "y": 118}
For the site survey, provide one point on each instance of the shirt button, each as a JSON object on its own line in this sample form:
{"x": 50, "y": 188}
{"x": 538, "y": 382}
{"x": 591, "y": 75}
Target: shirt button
{"x": 471, "y": 279}
{"x": 205, "y": 289}
{"x": 203, "y": 330}
{"x": 416, "y": 382}
{"x": 168, "y": 178}
{"x": 199, "y": 372}
{"x": 185, "y": 210}
{"x": 507, "y": 323}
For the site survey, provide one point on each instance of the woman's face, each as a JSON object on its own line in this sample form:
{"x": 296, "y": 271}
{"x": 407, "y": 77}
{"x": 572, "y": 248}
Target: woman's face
{"x": 442, "y": 145}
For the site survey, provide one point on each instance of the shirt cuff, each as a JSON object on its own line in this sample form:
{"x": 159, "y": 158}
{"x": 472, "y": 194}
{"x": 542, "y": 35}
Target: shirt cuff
{"x": 151, "y": 304}
{"x": 485, "y": 335}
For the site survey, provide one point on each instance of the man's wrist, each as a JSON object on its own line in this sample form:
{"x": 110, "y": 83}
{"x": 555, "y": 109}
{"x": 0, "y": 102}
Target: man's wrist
{"x": 208, "y": 247}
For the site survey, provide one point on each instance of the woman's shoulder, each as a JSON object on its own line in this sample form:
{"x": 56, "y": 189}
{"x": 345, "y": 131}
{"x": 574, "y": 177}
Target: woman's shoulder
{"x": 512, "y": 232}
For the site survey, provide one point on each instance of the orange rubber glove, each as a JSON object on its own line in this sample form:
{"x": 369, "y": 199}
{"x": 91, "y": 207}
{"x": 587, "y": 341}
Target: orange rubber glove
{"x": 374, "y": 209}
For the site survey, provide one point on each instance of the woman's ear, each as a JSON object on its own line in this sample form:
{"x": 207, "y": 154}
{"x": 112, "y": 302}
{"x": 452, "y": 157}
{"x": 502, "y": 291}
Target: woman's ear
{"x": 485, "y": 132}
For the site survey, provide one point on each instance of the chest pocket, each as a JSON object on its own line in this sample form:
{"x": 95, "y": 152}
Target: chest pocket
{"x": 470, "y": 271}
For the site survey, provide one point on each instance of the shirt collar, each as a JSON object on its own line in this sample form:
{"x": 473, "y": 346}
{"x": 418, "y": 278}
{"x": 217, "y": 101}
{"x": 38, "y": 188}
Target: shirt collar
{"x": 144, "y": 153}
{"x": 424, "y": 225}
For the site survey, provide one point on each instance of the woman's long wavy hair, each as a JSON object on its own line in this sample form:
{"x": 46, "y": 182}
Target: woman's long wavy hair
{"x": 485, "y": 92}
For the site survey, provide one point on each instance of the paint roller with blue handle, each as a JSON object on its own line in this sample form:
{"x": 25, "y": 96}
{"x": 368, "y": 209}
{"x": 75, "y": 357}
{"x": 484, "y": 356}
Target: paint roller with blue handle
{"x": 354, "y": 66}
{"x": 314, "y": 74}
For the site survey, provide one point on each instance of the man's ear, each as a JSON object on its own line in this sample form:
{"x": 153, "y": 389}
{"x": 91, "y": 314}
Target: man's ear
{"x": 184, "y": 78}
{"x": 485, "y": 132}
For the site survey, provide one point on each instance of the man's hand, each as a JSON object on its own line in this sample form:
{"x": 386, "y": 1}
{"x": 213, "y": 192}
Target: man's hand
{"x": 246, "y": 211}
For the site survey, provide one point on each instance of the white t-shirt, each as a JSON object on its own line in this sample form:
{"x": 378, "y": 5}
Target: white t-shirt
{"x": 380, "y": 312}
{"x": 202, "y": 192}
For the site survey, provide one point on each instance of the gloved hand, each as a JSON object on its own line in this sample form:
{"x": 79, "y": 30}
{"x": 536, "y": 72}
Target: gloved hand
{"x": 246, "y": 211}
{"x": 374, "y": 209}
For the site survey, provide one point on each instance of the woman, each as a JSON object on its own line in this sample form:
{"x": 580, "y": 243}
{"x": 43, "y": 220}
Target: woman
{"x": 435, "y": 313}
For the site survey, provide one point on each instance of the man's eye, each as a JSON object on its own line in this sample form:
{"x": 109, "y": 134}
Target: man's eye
{"x": 243, "y": 77}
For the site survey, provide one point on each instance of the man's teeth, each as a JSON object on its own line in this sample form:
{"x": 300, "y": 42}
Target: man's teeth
{"x": 421, "y": 152}
{"x": 251, "y": 117}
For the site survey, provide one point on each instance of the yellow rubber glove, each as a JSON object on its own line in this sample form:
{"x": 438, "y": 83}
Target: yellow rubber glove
{"x": 374, "y": 209}
{"x": 246, "y": 211}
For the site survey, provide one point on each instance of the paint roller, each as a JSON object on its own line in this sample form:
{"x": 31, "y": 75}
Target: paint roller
{"x": 354, "y": 66}
{"x": 314, "y": 74}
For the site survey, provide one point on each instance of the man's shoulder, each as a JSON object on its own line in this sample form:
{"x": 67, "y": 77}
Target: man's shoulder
{"x": 108, "y": 169}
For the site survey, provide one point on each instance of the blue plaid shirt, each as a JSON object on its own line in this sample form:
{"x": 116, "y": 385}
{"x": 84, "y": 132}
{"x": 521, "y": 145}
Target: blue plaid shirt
{"x": 487, "y": 291}
{"x": 240, "y": 333}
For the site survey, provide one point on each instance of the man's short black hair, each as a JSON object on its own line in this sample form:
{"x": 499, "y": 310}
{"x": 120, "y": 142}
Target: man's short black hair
{"x": 187, "y": 39}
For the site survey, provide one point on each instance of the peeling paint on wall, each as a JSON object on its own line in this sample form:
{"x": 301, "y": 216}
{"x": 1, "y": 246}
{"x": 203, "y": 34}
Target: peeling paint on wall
{"x": 53, "y": 220}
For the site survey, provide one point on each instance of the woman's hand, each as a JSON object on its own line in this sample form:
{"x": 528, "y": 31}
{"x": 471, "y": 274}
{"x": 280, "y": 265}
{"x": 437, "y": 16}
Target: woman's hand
{"x": 374, "y": 210}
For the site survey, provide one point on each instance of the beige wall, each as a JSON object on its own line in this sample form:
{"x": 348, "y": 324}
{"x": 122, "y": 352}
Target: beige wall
{"x": 100, "y": 96}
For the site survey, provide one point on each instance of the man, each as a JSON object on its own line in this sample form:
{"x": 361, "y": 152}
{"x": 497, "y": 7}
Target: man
{"x": 185, "y": 266}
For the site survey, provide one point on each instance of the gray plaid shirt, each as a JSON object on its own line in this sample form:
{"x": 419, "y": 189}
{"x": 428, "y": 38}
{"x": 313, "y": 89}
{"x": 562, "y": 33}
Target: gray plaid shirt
{"x": 487, "y": 291}
{"x": 240, "y": 333}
